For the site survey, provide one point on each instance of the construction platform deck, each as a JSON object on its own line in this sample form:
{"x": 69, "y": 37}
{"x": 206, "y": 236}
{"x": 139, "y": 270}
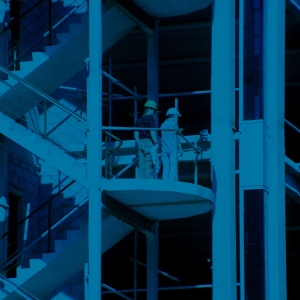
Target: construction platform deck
{"x": 160, "y": 199}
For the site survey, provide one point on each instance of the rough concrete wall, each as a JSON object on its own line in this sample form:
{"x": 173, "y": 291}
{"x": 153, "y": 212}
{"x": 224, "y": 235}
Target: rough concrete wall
{"x": 23, "y": 181}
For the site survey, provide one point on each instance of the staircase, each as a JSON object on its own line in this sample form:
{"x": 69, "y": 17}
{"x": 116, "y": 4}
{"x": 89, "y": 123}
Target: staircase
{"x": 44, "y": 149}
{"x": 58, "y": 63}
{"x": 72, "y": 251}
{"x": 48, "y": 273}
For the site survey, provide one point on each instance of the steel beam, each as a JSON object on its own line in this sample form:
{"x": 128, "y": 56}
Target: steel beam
{"x": 152, "y": 264}
{"x": 129, "y": 216}
{"x": 136, "y": 14}
{"x": 223, "y": 150}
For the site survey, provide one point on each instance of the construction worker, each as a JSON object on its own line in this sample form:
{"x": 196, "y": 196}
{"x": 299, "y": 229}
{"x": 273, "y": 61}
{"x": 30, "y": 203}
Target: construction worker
{"x": 170, "y": 141}
{"x": 146, "y": 139}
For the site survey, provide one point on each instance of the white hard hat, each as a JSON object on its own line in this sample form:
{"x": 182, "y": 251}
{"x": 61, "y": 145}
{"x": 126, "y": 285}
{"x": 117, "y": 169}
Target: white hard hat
{"x": 172, "y": 111}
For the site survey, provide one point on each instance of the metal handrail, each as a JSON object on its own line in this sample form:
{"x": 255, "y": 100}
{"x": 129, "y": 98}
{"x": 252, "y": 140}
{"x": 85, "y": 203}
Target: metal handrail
{"x": 138, "y": 128}
{"x": 42, "y": 94}
{"x": 37, "y": 209}
{"x": 117, "y": 82}
{"x": 23, "y": 14}
{"x": 291, "y": 125}
{"x": 135, "y": 161}
{"x": 116, "y": 138}
{"x": 17, "y": 288}
{"x": 109, "y": 153}
{"x": 114, "y": 291}
{"x": 197, "y": 152}
{"x": 15, "y": 256}
{"x": 47, "y": 33}
{"x": 197, "y": 149}
{"x": 61, "y": 122}
{"x": 47, "y": 232}
{"x": 159, "y": 272}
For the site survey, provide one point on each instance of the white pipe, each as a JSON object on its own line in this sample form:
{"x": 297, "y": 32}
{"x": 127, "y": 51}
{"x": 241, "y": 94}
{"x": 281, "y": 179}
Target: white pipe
{"x": 94, "y": 149}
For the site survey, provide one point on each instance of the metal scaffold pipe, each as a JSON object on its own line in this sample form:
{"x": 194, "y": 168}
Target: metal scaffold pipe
{"x": 176, "y": 150}
{"x": 179, "y": 94}
{"x": 115, "y": 81}
{"x": 136, "y": 128}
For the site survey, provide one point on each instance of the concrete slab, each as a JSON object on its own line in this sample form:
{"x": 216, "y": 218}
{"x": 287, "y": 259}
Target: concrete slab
{"x": 160, "y": 199}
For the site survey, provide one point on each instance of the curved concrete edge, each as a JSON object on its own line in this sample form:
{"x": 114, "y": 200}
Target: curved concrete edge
{"x": 158, "y": 185}
{"x": 171, "y": 8}
{"x": 160, "y": 199}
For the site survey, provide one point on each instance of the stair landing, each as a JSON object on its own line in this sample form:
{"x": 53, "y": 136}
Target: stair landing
{"x": 160, "y": 199}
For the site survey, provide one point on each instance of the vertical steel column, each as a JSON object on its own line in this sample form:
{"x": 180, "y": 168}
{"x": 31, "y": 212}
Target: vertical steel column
{"x": 223, "y": 150}
{"x": 135, "y": 265}
{"x": 152, "y": 264}
{"x": 274, "y": 81}
{"x": 240, "y": 107}
{"x": 262, "y": 195}
{"x": 152, "y": 67}
{"x": 94, "y": 149}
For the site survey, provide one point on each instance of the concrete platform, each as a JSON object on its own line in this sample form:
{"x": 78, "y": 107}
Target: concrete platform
{"x": 160, "y": 199}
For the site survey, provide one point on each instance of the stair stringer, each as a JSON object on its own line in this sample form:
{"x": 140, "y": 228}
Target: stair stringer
{"x": 43, "y": 149}
{"x": 49, "y": 273}
{"x": 50, "y": 69}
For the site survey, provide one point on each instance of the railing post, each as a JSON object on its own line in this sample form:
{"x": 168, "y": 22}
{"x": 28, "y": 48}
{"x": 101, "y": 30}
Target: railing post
{"x": 49, "y": 226}
{"x": 135, "y": 119}
{"x": 176, "y": 150}
{"x": 109, "y": 97}
{"x": 106, "y": 156}
{"x": 45, "y": 119}
{"x": 110, "y": 114}
{"x": 86, "y": 281}
{"x": 196, "y": 165}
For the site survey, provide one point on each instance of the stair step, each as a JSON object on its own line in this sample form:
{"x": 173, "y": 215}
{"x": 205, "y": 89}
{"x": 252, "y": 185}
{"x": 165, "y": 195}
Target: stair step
{"x": 65, "y": 252}
{"x": 24, "y": 274}
{"x": 39, "y": 56}
{"x": 26, "y": 67}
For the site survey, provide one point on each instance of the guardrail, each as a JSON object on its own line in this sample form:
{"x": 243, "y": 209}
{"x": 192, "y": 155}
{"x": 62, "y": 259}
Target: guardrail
{"x": 17, "y": 289}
